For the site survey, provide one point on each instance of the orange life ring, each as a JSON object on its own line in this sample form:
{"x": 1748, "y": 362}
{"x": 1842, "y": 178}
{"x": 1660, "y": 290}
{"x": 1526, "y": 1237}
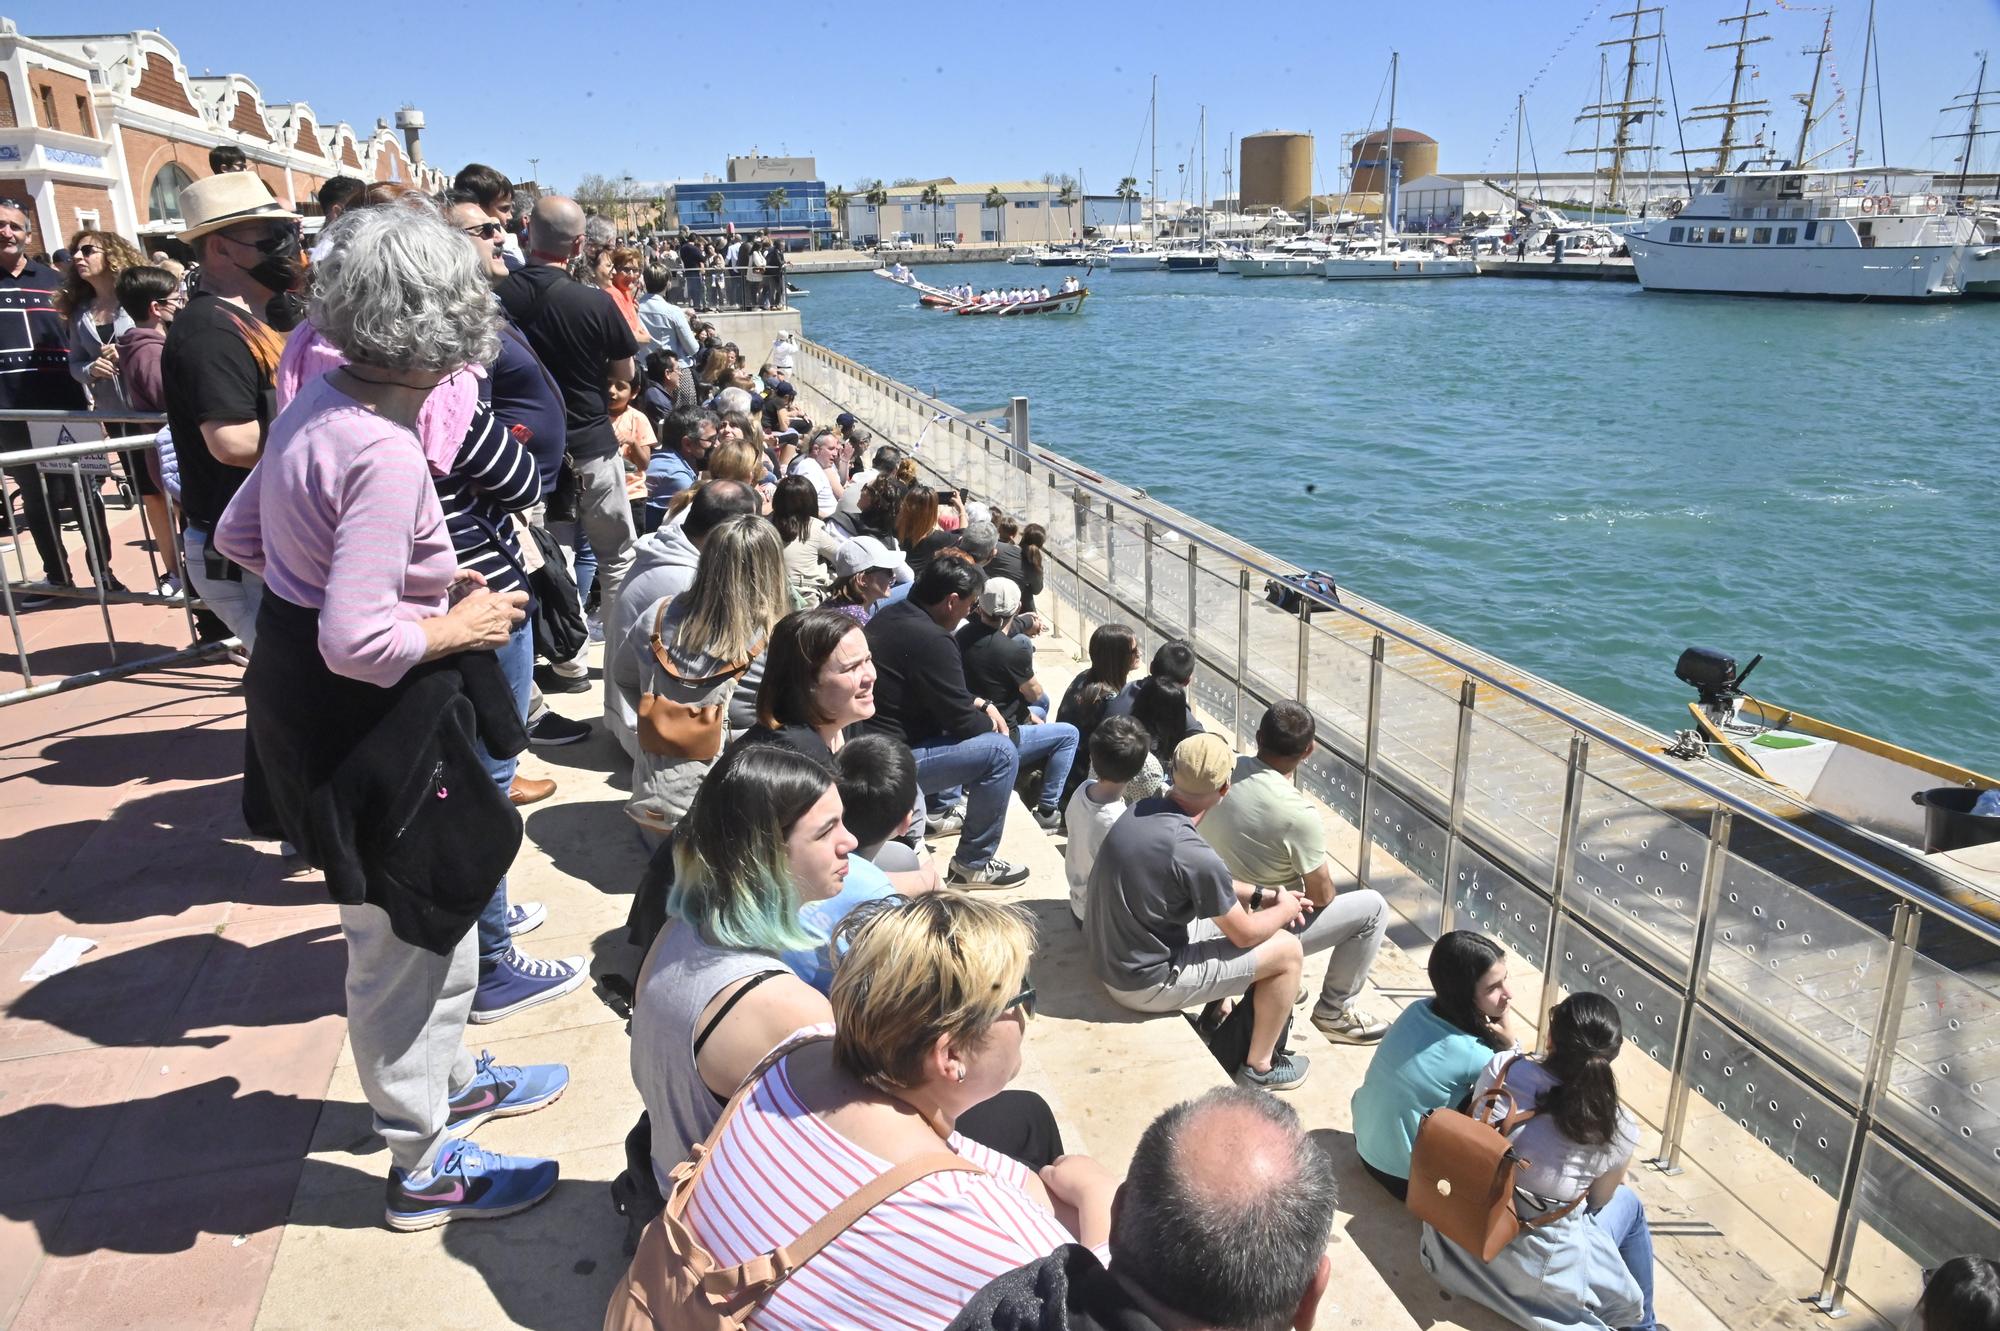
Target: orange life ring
{"x": 1884, "y": 205}
{"x": 1867, "y": 204}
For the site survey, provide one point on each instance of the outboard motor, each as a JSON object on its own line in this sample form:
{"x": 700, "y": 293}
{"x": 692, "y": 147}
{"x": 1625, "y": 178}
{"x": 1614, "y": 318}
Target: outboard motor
{"x": 1713, "y": 675}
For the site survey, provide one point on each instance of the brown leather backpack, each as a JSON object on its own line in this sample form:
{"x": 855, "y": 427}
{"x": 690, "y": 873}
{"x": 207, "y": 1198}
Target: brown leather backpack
{"x": 668, "y": 728}
{"x": 675, "y": 1284}
{"x": 1462, "y": 1173}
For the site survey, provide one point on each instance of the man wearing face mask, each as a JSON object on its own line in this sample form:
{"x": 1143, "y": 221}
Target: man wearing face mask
{"x": 219, "y": 369}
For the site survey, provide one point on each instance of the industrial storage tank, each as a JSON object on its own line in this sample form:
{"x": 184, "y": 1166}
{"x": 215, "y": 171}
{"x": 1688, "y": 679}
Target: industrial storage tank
{"x": 1276, "y": 169}
{"x": 1416, "y": 151}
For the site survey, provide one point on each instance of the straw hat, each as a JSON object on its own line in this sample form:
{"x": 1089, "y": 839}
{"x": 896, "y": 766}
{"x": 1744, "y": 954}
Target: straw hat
{"x": 223, "y": 200}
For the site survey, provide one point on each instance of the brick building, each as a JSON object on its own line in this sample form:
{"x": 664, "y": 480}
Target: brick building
{"x": 104, "y": 131}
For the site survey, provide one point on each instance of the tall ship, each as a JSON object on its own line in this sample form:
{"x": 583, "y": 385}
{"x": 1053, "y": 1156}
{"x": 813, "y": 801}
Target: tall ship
{"x": 1769, "y": 228}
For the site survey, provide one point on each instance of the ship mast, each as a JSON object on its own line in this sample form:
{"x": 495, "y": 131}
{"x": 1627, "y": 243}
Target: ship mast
{"x": 1970, "y": 103}
{"x": 1810, "y": 98}
{"x": 1389, "y": 159}
{"x": 1153, "y": 127}
{"x": 1737, "y": 107}
{"x": 1629, "y": 110}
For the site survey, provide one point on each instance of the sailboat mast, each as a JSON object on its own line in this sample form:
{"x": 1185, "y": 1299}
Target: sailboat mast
{"x": 1861, "y": 108}
{"x": 1389, "y": 159}
{"x": 1737, "y": 107}
{"x": 1623, "y": 136}
{"x": 1153, "y": 123}
{"x": 1204, "y": 173}
{"x": 1597, "y": 137}
{"x": 1972, "y": 125}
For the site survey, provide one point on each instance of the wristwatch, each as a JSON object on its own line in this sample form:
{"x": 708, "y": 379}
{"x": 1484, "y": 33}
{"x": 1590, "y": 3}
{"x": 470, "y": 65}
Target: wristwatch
{"x": 1256, "y": 898}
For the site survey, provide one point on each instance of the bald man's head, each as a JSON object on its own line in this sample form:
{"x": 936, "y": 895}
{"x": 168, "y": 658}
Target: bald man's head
{"x": 1225, "y": 1214}
{"x": 555, "y": 225}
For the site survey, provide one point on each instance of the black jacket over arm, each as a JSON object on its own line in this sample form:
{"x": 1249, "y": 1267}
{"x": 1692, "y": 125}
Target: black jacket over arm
{"x": 384, "y": 789}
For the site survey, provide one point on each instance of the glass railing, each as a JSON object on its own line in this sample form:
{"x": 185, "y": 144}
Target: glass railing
{"x": 1797, "y": 1044}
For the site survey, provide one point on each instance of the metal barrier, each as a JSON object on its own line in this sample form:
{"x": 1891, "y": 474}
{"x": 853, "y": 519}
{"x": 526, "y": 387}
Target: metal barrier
{"x": 48, "y": 481}
{"x": 1859, "y": 1060}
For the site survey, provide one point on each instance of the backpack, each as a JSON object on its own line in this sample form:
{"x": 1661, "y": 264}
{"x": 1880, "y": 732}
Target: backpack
{"x": 1462, "y": 1172}
{"x": 1285, "y": 593}
{"x": 690, "y": 731}
{"x": 1228, "y": 1035}
{"x": 675, "y": 1284}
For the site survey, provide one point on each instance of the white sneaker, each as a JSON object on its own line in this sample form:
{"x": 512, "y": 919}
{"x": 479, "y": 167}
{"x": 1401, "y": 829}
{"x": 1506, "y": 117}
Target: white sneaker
{"x": 170, "y": 587}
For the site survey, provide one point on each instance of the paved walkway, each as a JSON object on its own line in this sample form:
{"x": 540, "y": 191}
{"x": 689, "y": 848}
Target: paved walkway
{"x": 183, "y": 1142}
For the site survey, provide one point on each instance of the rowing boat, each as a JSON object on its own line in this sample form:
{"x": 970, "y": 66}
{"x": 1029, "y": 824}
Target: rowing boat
{"x": 1060, "y": 302}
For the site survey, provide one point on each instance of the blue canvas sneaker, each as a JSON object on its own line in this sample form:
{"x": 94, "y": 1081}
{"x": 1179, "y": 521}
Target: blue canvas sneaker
{"x": 498, "y": 1090}
{"x": 516, "y": 983}
{"x": 467, "y": 1183}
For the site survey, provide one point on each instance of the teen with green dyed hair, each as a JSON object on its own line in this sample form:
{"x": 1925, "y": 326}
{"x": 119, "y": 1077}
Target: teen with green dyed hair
{"x": 764, "y": 836}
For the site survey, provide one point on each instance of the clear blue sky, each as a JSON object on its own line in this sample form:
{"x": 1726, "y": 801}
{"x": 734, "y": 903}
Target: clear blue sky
{"x": 664, "y": 91}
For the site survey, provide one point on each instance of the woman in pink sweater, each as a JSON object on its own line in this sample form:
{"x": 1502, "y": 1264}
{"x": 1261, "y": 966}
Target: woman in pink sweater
{"x": 342, "y": 522}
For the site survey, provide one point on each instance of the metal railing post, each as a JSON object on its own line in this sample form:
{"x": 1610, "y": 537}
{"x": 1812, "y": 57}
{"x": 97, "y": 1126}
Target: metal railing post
{"x": 1881, "y": 1062}
{"x": 1305, "y": 659}
{"x": 1110, "y": 548}
{"x": 1579, "y": 761}
{"x": 1461, "y": 778}
{"x": 1146, "y": 539}
{"x": 1712, "y": 870}
{"x": 1242, "y": 649}
{"x": 1193, "y": 592}
{"x": 1017, "y": 430}
{"x": 1371, "y": 742}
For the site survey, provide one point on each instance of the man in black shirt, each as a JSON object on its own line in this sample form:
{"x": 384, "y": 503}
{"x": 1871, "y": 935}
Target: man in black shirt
{"x": 1000, "y": 666}
{"x": 34, "y": 373}
{"x": 957, "y": 739}
{"x": 582, "y": 341}
{"x": 219, "y": 369}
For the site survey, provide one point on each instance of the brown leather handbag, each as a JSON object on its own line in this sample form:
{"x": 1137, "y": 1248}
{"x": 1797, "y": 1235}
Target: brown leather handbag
{"x": 669, "y": 728}
{"x": 675, "y": 1284}
{"x": 1462, "y": 1172}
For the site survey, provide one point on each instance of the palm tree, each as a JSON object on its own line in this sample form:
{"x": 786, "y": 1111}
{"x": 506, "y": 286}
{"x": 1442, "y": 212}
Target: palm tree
{"x": 836, "y": 208}
{"x": 998, "y": 203}
{"x": 774, "y": 203}
{"x": 1066, "y": 199}
{"x": 1128, "y": 194}
{"x": 878, "y": 199}
{"x": 714, "y": 203}
{"x": 931, "y": 198}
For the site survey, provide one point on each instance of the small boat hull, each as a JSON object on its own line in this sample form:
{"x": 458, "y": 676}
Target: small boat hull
{"x": 1192, "y": 263}
{"x": 1393, "y": 267}
{"x": 1063, "y": 302}
{"x": 1143, "y": 262}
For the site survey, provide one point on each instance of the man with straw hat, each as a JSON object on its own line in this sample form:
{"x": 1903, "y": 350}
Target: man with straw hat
{"x": 219, "y": 369}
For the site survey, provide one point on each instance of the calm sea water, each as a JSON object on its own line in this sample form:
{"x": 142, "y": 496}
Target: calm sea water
{"x": 1581, "y": 477}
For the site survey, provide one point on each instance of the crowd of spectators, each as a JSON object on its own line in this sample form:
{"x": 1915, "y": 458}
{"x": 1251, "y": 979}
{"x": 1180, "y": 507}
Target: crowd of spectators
{"x": 454, "y": 441}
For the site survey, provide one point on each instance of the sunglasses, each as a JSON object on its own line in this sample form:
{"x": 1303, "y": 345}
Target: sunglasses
{"x": 1025, "y": 1000}
{"x": 485, "y": 230}
{"x": 86, "y": 251}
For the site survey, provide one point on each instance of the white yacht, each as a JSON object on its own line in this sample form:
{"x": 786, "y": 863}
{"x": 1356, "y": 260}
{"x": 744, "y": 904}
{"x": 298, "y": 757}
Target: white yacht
{"x": 1770, "y": 229}
{"x": 1302, "y": 257}
{"x": 1395, "y": 261}
{"x": 1144, "y": 257}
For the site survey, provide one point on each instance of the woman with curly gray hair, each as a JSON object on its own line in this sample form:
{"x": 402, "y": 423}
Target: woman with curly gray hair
{"x": 374, "y": 687}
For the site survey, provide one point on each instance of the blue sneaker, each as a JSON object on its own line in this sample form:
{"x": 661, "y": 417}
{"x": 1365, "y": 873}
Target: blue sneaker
{"x": 524, "y": 917}
{"x": 516, "y": 983}
{"x": 467, "y": 1183}
{"x": 500, "y": 1091}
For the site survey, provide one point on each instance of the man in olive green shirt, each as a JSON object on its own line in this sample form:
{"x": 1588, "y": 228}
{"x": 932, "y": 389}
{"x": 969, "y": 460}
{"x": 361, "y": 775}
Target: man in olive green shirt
{"x": 1271, "y": 837}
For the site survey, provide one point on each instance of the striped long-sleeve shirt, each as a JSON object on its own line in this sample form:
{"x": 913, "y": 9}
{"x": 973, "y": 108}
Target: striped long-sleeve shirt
{"x": 492, "y": 477}
{"x": 910, "y": 1264}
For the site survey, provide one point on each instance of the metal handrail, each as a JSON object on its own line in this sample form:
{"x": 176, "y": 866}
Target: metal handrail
{"x": 1945, "y": 907}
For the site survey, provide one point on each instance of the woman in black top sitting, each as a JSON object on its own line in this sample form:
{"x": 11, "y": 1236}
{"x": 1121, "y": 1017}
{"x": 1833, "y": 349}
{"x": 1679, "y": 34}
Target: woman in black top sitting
{"x": 819, "y": 679}
{"x": 1114, "y": 655}
{"x": 1160, "y": 700}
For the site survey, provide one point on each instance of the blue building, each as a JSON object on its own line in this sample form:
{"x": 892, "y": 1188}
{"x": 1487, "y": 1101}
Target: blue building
{"x": 801, "y": 220}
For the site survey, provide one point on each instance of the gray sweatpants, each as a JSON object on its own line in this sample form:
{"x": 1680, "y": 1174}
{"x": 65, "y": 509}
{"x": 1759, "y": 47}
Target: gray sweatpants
{"x": 605, "y": 515}
{"x": 406, "y": 1012}
{"x": 1212, "y": 967}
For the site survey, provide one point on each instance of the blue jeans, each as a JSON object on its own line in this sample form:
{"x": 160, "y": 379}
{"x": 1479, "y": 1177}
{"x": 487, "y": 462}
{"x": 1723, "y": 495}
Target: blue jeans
{"x": 1053, "y": 743}
{"x": 517, "y": 663}
{"x": 987, "y": 765}
{"x": 1624, "y": 1219}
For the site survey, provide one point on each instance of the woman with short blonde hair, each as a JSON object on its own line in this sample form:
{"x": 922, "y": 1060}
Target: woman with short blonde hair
{"x": 930, "y": 1005}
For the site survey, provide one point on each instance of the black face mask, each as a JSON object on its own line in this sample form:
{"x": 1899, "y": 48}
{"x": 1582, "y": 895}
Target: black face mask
{"x": 279, "y": 269}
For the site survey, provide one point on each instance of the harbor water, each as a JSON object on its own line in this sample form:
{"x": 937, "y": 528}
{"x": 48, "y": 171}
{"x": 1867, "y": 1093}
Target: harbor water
{"x": 1583, "y": 478}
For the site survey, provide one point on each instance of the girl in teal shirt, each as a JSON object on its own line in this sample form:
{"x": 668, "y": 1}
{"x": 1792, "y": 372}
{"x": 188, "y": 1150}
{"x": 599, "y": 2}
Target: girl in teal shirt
{"x": 1433, "y": 1053}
